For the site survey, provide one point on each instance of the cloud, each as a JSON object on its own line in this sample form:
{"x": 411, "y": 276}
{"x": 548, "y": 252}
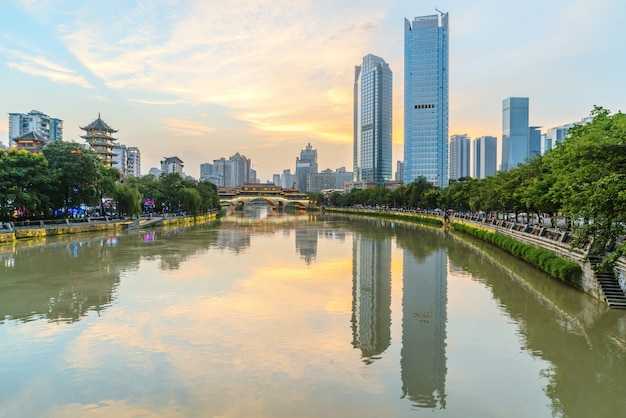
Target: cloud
{"x": 186, "y": 127}
{"x": 43, "y": 67}
{"x": 294, "y": 60}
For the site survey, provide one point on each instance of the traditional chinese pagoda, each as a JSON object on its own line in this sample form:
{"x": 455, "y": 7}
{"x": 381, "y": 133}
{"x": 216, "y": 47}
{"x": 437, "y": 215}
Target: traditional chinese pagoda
{"x": 99, "y": 136}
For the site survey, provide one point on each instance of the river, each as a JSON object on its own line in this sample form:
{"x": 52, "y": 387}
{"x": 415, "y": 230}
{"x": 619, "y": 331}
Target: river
{"x": 296, "y": 315}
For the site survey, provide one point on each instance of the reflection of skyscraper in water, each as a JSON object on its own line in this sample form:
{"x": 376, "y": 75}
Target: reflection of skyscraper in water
{"x": 306, "y": 243}
{"x": 371, "y": 295}
{"x": 423, "y": 355}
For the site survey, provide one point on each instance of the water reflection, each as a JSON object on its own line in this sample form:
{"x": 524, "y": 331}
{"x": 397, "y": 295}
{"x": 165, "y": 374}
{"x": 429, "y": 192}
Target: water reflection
{"x": 424, "y": 299}
{"x": 297, "y": 313}
{"x": 371, "y": 296}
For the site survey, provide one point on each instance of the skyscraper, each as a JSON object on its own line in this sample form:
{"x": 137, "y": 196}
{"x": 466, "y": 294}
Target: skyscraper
{"x": 515, "y": 142}
{"x": 372, "y": 120}
{"x": 306, "y": 165}
{"x": 426, "y": 99}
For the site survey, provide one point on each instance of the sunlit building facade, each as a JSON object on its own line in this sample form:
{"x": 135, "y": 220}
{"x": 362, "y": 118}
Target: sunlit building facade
{"x": 306, "y": 165}
{"x": 426, "y": 99}
{"x": 372, "y": 120}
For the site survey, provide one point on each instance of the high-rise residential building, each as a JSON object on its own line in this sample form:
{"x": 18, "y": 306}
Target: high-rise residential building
{"x": 127, "y": 160}
{"x": 133, "y": 159}
{"x": 372, "y": 120}
{"x": 306, "y": 165}
{"x": 484, "y": 151}
{"x": 514, "y": 146}
{"x": 51, "y": 129}
{"x": 426, "y": 44}
{"x": 100, "y": 138}
{"x": 171, "y": 165}
{"x": 231, "y": 172}
{"x": 459, "y": 156}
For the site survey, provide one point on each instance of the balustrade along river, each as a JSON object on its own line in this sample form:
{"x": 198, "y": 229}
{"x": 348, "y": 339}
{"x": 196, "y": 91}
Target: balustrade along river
{"x": 267, "y": 314}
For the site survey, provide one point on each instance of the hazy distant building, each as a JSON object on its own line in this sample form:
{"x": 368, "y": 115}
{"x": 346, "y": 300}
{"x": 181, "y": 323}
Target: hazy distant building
{"x": 515, "y": 143}
{"x": 100, "y": 138}
{"x": 171, "y": 165}
{"x": 326, "y": 179}
{"x": 153, "y": 171}
{"x": 459, "y": 157}
{"x": 399, "y": 176}
{"x": 426, "y": 68}
{"x": 342, "y": 177}
{"x": 48, "y": 128}
{"x": 372, "y": 120}
{"x": 484, "y": 151}
{"x": 560, "y": 133}
{"x": 231, "y": 172}
{"x": 306, "y": 165}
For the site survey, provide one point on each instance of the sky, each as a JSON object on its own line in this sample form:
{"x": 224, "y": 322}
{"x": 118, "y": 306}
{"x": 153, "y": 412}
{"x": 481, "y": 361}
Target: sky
{"x": 205, "y": 79}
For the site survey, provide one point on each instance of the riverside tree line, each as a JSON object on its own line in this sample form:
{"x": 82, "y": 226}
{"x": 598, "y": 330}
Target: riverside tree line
{"x": 65, "y": 175}
{"x": 583, "y": 178}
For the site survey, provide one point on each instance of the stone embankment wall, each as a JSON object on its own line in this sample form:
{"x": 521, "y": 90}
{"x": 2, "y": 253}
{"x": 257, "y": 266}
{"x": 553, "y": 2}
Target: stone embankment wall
{"x": 551, "y": 242}
{"x": 68, "y": 229}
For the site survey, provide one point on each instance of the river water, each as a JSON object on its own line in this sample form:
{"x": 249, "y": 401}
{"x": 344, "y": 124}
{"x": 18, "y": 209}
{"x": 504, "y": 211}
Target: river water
{"x": 277, "y": 315}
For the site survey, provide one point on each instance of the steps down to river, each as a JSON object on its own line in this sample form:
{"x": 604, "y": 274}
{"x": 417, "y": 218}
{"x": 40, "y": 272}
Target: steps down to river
{"x": 613, "y": 293}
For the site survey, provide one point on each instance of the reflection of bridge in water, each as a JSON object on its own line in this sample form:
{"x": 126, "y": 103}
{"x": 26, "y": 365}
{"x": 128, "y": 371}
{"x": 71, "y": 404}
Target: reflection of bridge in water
{"x": 252, "y": 193}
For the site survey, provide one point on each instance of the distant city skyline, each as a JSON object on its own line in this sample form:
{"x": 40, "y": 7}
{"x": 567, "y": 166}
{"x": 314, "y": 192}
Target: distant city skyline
{"x": 200, "y": 80}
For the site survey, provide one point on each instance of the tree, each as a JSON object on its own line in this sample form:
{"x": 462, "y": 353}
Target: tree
{"x": 128, "y": 200}
{"x": 25, "y": 185}
{"x": 77, "y": 174}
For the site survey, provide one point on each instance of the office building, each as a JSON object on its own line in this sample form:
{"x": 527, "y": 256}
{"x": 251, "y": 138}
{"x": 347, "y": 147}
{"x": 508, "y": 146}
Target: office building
{"x": 426, "y": 71}
{"x": 514, "y": 146}
{"x": 459, "y": 157}
{"x": 50, "y": 129}
{"x": 372, "y": 120}
{"x": 306, "y": 165}
{"x": 485, "y": 155}
{"x": 534, "y": 141}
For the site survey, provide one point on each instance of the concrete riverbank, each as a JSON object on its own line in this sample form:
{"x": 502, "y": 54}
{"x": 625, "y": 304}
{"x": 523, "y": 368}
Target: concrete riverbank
{"x": 42, "y": 229}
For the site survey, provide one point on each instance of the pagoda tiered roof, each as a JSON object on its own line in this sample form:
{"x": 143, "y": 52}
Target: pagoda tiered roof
{"x": 98, "y": 124}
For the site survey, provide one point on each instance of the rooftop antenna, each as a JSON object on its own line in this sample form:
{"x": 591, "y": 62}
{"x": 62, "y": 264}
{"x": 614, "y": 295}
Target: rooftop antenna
{"x": 439, "y": 11}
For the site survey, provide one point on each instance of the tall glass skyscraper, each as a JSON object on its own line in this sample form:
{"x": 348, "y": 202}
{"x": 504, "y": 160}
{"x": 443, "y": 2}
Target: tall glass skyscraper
{"x": 426, "y": 99}
{"x": 372, "y": 120}
{"x": 515, "y": 146}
